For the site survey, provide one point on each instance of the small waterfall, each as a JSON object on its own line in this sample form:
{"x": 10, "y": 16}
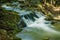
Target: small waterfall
{"x": 37, "y": 28}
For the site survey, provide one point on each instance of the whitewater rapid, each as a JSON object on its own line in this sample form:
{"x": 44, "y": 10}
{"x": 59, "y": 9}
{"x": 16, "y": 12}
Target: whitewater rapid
{"x": 40, "y": 29}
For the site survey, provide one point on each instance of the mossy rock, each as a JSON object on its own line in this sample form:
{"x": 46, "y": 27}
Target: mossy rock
{"x": 8, "y": 22}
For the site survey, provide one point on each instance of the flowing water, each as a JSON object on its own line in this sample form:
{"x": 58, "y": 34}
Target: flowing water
{"x": 37, "y": 28}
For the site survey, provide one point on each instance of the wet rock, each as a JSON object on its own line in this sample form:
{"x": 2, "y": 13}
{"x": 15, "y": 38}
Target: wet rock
{"x": 22, "y": 24}
{"x": 32, "y": 17}
{"x": 26, "y": 16}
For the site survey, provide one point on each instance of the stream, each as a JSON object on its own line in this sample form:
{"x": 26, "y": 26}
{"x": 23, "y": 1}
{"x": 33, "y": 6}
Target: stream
{"x": 36, "y": 27}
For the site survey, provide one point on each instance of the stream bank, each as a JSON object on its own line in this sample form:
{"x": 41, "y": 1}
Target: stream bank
{"x": 29, "y": 8}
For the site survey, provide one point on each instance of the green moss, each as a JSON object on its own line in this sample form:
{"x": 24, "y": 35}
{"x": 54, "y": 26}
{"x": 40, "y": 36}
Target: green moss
{"x": 9, "y": 21}
{"x": 57, "y": 26}
{"x": 15, "y": 38}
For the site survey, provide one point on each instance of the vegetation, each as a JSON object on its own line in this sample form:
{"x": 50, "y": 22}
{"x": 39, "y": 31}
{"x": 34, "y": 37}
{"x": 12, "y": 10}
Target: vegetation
{"x": 9, "y": 19}
{"x": 8, "y": 24}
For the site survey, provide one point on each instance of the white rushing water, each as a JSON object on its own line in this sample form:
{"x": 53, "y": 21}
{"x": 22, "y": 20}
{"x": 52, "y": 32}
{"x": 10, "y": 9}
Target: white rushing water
{"x": 37, "y": 30}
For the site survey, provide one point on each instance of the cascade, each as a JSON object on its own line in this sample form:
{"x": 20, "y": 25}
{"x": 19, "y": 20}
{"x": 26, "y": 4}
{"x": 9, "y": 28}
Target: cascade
{"x": 36, "y": 27}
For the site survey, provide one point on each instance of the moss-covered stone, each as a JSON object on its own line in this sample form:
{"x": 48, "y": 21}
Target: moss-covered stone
{"x": 8, "y": 24}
